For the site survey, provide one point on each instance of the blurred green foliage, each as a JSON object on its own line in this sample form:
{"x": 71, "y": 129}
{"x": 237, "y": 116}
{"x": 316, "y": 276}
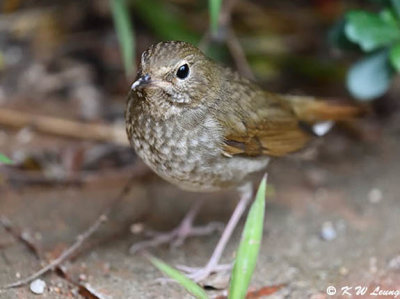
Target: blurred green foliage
{"x": 378, "y": 36}
{"x": 395, "y": 56}
{"x": 5, "y": 160}
{"x": 214, "y": 8}
{"x": 126, "y": 37}
{"x": 165, "y": 22}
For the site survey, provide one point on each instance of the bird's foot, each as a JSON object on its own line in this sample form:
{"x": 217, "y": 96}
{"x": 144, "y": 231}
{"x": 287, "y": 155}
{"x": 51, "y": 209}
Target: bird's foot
{"x": 200, "y": 274}
{"x": 177, "y": 236}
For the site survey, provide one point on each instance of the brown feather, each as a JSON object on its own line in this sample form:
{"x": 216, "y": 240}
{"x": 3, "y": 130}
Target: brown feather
{"x": 276, "y": 128}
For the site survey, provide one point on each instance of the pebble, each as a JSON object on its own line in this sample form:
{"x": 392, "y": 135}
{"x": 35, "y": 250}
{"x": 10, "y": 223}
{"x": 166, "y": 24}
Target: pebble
{"x": 137, "y": 228}
{"x": 328, "y": 232}
{"x": 320, "y": 129}
{"x": 343, "y": 271}
{"x": 37, "y": 286}
{"x": 373, "y": 264}
{"x": 375, "y": 195}
{"x": 394, "y": 263}
{"x": 25, "y": 135}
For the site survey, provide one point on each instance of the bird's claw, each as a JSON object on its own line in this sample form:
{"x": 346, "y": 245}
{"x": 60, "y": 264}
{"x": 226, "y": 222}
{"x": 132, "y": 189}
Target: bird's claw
{"x": 176, "y": 237}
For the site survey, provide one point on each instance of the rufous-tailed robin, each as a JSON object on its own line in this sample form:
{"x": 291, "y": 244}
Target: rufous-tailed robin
{"x": 204, "y": 127}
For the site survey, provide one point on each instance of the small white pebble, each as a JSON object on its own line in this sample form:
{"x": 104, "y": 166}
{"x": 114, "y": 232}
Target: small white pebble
{"x": 343, "y": 271}
{"x": 373, "y": 264}
{"x": 37, "y": 286}
{"x": 394, "y": 263}
{"x": 137, "y": 228}
{"x": 25, "y": 135}
{"x": 328, "y": 232}
{"x": 375, "y": 195}
{"x": 321, "y": 128}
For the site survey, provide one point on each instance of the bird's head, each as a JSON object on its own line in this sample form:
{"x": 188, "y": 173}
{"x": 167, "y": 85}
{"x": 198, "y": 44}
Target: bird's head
{"x": 175, "y": 73}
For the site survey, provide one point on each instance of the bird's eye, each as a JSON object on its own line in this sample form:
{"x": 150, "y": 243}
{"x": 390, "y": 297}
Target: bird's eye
{"x": 183, "y": 71}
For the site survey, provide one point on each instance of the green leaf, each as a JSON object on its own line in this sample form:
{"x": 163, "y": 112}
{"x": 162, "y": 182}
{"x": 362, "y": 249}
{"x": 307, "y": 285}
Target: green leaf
{"x": 165, "y": 21}
{"x": 369, "y": 30}
{"x": 185, "y": 282}
{"x": 249, "y": 246}
{"x": 5, "y": 160}
{"x": 396, "y": 7}
{"x": 370, "y": 77}
{"x": 337, "y": 37}
{"x": 394, "y": 57}
{"x": 214, "y": 8}
{"x": 387, "y": 15}
{"x": 124, "y": 30}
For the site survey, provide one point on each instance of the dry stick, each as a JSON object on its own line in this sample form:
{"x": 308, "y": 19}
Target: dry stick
{"x": 238, "y": 55}
{"x": 226, "y": 12}
{"x": 234, "y": 46}
{"x": 65, "y": 254}
{"x": 31, "y": 246}
{"x": 63, "y": 127}
{"x": 79, "y": 241}
{"x": 6, "y": 223}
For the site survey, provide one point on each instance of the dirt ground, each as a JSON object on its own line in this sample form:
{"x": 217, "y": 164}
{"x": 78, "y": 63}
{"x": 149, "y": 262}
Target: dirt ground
{"x": 333, "y": 212}
{"x": 331, "y": 221}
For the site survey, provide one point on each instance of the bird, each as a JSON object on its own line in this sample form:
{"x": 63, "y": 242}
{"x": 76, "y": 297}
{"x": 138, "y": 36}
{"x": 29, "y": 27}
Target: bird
{"x": 204, "y": 128}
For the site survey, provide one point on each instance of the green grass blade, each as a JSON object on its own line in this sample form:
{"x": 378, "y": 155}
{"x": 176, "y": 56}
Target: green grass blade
{"x": 123, "y": 27}
{"x": 5, "y": 160}
{"x": 249, "y": 246}
{"x": 394, "y": 57}
{"x": 214, "y": 8}
{"x": 185, "y": 282}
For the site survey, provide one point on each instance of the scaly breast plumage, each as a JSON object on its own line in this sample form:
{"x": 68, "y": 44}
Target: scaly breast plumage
{"x": 172, "y": 151}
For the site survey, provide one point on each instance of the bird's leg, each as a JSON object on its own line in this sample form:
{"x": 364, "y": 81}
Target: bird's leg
{"x": 177, "y": 236}
{"x": 199, "y": 274}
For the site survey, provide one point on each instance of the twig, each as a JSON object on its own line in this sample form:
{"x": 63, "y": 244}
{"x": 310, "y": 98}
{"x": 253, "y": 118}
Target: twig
{"x": 227, "y": 35}
{"x": 20, "y": 236}
{"x": 66, "y": 254}
{"x": 23, "y": 177}
{"x": 63, "y": 127}
{"x": 226, "y": 12}
{"x": 79, "y": 241}
{"x": 238, "y": 55}
{"x": 111, "y": 177}
{"x": 87, "y": 291}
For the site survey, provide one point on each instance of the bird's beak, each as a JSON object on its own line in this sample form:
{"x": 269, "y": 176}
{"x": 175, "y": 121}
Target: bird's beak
{"x": 142, "y": 81}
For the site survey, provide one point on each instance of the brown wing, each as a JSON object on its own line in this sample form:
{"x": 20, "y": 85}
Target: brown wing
{"x": 266, "y": 125}
{"x": 256, "y": 122}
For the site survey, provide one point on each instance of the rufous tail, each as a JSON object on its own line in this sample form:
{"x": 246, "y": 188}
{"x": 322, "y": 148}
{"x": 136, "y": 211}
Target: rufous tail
{"x": 312, "y": 110}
